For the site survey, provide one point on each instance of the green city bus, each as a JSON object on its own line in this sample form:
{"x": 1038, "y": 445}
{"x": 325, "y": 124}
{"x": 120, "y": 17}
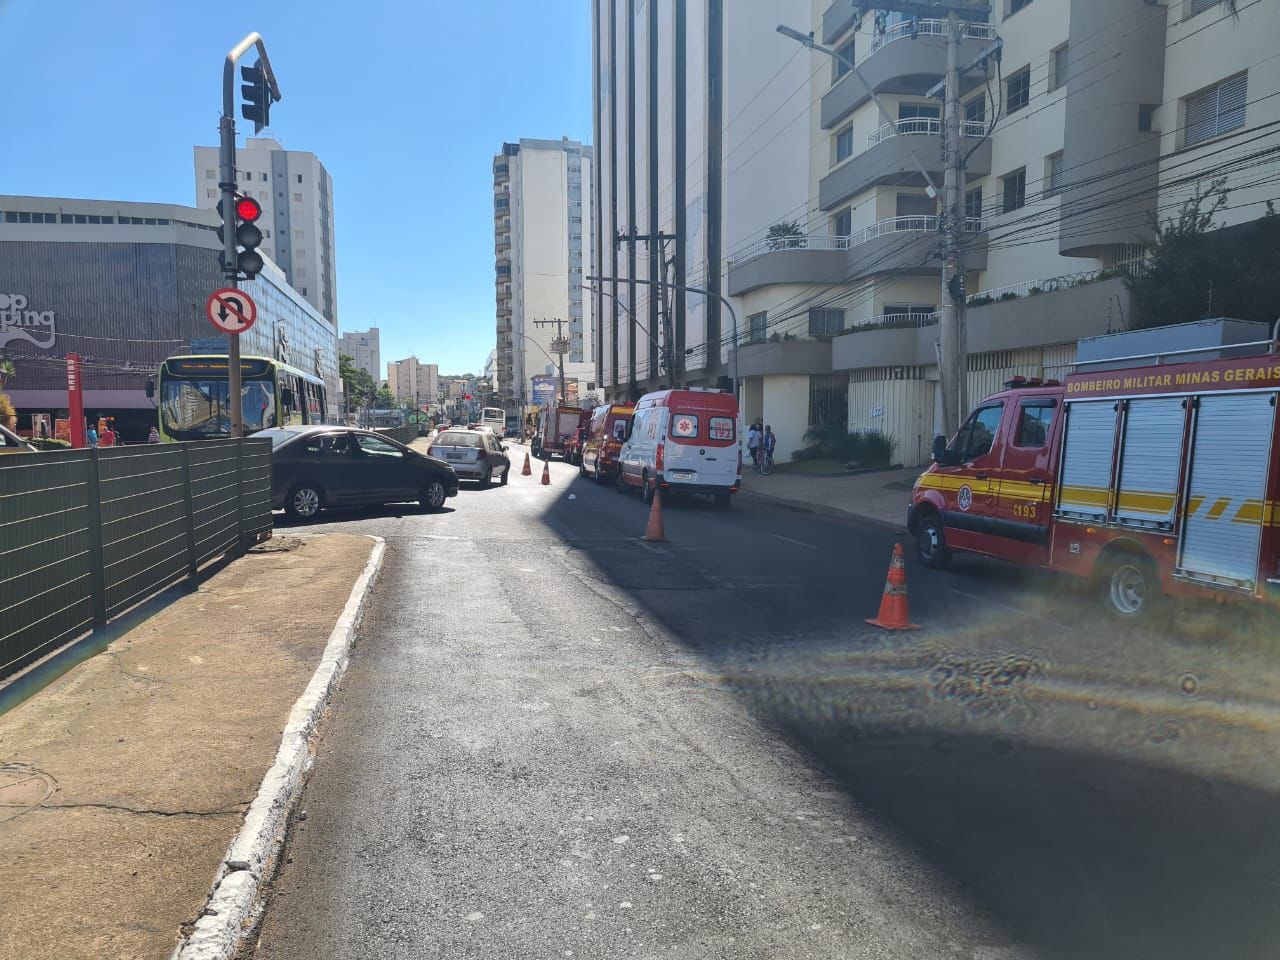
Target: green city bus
{"x": 192, "y": 396}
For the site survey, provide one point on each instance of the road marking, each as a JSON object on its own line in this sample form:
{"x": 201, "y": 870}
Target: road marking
{"x": 1009, "y": 606}
{"x": 798, "y": 543}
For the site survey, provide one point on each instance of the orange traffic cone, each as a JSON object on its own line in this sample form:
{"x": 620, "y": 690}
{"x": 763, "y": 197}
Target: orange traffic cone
{"x": 526, "y": 471}
{"x": 893, "y": 605}
{"x": 546, "y": 473}
{"x": 655, "y": 532}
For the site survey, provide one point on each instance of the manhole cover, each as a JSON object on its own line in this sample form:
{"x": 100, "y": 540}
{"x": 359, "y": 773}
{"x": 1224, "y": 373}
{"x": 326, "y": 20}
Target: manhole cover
{"x": 22, "y": 788}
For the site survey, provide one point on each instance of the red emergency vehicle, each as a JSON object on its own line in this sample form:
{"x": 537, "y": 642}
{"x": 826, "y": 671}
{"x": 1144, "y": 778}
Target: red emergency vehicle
{"x": 556, "y": 425}
{"x": 1150, "y": 480}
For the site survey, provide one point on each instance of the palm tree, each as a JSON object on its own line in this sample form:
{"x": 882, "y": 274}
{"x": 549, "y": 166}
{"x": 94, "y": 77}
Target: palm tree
{"x": 6, "y": 371}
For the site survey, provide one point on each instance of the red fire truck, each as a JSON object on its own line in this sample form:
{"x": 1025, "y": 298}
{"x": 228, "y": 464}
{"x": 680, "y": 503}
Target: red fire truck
{"x": 1150, "y": 480}
{"x": 556, "y": 426}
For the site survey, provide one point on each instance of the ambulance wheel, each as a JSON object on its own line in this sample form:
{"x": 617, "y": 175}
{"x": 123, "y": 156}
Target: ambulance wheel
{"x": 647, "y": 489}
{"x": 931, "y": 546}
{"x": 1128, "y": 586}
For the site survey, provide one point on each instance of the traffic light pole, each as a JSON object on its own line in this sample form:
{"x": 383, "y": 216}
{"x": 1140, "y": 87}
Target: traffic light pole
{"x": 227, "y": 184}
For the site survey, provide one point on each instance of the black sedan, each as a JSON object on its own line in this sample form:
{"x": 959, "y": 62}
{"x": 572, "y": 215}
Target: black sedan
{"x": 316, "y": 467}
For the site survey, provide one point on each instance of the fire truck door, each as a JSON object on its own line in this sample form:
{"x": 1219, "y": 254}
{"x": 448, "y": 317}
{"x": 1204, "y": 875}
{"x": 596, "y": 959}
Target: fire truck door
{"x": 969, "y": 486}
{"x": 1226, "y": 491}
{"x": 1084, "y": 482}
{"x": 1025, "y": 483}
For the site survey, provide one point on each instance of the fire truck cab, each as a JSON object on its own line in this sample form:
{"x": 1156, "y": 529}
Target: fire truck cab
{"x": 1150, "y": 480}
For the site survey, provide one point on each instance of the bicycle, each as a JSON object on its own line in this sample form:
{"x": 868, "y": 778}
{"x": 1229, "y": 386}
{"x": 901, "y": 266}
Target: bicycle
{"x": 763, "y": 462}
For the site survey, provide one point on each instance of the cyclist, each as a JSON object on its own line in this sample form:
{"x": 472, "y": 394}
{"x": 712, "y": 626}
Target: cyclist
{"x": 769, "y": 441}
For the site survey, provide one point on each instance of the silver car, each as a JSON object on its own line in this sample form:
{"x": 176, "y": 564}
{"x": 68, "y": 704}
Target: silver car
{"x": 473, "y": 454}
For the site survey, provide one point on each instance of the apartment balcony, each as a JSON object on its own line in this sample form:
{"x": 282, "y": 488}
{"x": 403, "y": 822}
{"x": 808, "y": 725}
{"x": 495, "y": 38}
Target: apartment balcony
{"x": 501, "y": 171}
{"x": 504, "y": 327}
{"x": 887, "y": 159}
{"x": 839, "y": 18}
{"x": 501, "y": 228}
{"x": 784, "y": 357}
{"x": 904, "y": 61}
{"x": 910, "y": 246}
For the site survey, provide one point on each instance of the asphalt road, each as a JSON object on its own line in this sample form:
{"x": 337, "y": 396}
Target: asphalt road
{"x": 557, "y": 740}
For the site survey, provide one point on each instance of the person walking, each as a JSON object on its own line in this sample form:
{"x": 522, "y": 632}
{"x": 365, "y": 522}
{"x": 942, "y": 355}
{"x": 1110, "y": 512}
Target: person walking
{"x": 753, "y": 442}
{"x": 769, "y": 441}
{"x": 108, "y": 436}
{"x": 91, "y": 435}
{"x": 153, "y": 436}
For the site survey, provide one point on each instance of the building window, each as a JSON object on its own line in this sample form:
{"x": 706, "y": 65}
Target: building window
{"x": 915, "y": 205}
{"x": 297, "y": 234}
{"x": 1200, "y": 6}
{"x": 825, "y": 322}
{"x": 1015, "y": 190}
{"x": 304, "y": 291}
{"x": 1017, "y": 90}
{"x": 756, "y": 325}
{"x": 1146, "y": 116}
{"x": 1016, "y": 5}
{"x": 919, "y": 111}
{"x": 842, "y": 223}
{"x": 299, "y": 178}
{"x": 844, "y": 57}
{"x": 1215, "y": 111}
{"x": 211, "y": 174}
{"x": 1058, "y": 67}
{"x": 1053, "y": 174}
{"x": 267, "y": 234}
{"x": 264, "y": 178}
{"x": 211, "y": 193}
{"x": 973, "y": 204}
{"x": 975, "y": 110}
{"x": 844, "y": 144}
{"x": 297, "y": 198}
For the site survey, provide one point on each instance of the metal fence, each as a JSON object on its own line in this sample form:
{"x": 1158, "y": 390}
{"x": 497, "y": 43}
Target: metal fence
{"x": 87, "y": 534}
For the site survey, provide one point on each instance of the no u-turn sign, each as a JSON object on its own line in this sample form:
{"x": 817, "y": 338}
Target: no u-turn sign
{"x": 231, "y": 310}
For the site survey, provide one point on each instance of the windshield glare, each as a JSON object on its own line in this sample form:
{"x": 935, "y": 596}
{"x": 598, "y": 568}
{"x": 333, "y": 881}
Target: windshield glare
{"x": 199, "y": 409}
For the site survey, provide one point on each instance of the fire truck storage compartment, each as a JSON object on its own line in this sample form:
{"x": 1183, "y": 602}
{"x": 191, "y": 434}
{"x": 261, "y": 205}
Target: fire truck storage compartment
{"x": 1084, "y": 488}
{"x": 1227, "y": 488}
{"x": 1151, "y": 458}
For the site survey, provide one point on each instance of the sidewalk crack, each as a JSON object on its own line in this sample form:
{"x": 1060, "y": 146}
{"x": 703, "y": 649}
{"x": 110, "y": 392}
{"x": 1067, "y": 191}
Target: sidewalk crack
{"x": 238, "y": 808}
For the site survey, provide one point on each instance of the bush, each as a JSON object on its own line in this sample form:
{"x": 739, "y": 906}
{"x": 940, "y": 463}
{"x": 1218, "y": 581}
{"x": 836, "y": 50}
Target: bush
{"x": 49, "y": 443}
{"x": 866, "y": 448}
{"x": 808, "y": 453}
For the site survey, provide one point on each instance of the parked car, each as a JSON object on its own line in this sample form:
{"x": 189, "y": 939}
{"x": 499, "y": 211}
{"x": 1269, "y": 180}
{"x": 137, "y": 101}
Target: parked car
{"x": 605, "y": 434}
{"x": 473, "y": 455}
{"x": 683, "y": 441}
{"x": 317, "y": 467}
{"x": 10, "y": 442}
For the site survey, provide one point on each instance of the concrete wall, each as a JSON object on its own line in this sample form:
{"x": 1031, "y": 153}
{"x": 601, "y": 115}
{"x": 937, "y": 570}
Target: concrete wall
{"x": 786, "y": 409}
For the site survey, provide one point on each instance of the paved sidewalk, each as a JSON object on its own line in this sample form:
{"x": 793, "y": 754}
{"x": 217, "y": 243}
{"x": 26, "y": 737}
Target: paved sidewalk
{"x": 880, "y": 497}
{"x": 123, "y": 782}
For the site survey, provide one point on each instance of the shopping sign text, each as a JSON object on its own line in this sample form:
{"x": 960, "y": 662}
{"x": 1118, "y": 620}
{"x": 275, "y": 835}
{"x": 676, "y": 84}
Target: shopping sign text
{"x": 19, "y": 323}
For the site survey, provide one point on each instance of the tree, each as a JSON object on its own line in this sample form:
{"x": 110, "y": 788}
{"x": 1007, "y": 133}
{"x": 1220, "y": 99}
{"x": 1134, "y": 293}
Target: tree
{"x": 356, "y": 382}
{"x": 1197, "y": 270}
{"x": 785, "y": 234}
{"x": 384, "y": 399}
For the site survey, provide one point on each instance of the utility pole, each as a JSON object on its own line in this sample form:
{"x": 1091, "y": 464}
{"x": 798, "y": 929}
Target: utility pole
{"x": 559, "y": 346}
{"x": 667, "y": 348}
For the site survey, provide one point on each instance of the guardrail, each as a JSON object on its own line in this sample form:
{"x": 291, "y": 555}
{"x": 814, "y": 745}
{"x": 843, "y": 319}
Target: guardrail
{"x": 927, "y": 27}
{"x": 822, "y": 242}
{"x": 86, "y": 535}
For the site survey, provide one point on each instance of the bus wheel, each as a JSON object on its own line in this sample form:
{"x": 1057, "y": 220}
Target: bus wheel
{"x": 1128, "y": 586}
{"x": 304, "y": 502}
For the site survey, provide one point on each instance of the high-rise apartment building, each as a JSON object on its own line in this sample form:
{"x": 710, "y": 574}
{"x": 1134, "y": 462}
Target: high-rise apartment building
{"x": 793, "y": 195}
{"x": 296, "y": 194}
{"x": 542, "y": 243}
{"x": 362, "y": 346}
{"x": 412, "y": 382}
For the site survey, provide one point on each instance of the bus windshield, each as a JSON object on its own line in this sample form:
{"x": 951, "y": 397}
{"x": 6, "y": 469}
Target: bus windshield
{"x": 199, "y": 409}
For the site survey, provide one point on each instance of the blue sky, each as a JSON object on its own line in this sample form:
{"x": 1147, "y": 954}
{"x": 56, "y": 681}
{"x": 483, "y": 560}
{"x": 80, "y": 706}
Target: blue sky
{"x": 404, "y": 102}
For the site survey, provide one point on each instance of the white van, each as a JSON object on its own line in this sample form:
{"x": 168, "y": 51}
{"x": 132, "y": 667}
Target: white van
{"x": 683, "y": 441}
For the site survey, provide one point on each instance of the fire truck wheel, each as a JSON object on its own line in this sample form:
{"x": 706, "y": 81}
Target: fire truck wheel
{"x": 931, "y": 547}
{"x": 1128, "y": 585}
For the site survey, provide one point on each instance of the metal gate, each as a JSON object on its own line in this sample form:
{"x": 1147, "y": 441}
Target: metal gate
{"x": 1226, "y": 495}
{"x": 1085, "y": 485}
{"x": 1151, "y": 457}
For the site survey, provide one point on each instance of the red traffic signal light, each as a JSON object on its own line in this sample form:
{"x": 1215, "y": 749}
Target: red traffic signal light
{"x": 248, "y": 208}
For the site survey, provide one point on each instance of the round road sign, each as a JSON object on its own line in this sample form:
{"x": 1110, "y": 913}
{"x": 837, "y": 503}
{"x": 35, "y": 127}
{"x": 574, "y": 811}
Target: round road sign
{"x": 231, "y": 310}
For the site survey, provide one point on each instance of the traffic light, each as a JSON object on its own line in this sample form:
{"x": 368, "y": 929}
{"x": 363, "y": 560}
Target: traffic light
{"x": 248, "y": 236}
{"x": 257, "y": 96}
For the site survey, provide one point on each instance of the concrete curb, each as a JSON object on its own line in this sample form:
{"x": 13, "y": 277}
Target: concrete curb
{"x": 225, "y": 919}
{"x": 821, "y": 509}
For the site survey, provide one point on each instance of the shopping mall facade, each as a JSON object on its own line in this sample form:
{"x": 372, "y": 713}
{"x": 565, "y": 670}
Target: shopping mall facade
{"x": 124, "y": 285}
